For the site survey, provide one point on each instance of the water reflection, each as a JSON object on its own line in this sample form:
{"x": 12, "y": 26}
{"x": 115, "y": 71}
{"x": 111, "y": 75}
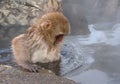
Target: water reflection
{"x": 91, "y": 77}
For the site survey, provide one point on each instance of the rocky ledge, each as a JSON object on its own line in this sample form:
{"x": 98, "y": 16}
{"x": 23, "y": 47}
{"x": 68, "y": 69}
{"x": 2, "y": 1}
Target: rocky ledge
{"x": 12, "y": 75}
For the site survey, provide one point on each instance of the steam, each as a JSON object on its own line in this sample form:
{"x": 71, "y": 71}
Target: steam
{"x": 98, "y": 36}
{"x": 94, "y": 37}
{"x": 115, "y": 40}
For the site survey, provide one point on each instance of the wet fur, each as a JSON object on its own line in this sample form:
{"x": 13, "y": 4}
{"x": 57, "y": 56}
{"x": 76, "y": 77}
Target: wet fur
{"x": 37, "y": 44}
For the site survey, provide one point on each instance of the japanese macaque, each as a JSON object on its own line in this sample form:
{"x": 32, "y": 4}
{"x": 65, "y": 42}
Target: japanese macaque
{"x": 41, "y": 42}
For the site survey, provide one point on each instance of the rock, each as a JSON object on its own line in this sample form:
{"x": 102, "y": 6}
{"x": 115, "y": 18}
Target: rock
{"x": 11, "y": 75}
{"x": 15, "y": 15}
{"x": 4, "y": 43}
{"x": 11, "y": 19}
{"x": 76, "y": 15}
{"x": 97, "y": 11}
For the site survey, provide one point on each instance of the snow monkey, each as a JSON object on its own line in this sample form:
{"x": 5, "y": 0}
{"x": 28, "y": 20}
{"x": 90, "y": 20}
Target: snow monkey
{"x": 41, "y": 43}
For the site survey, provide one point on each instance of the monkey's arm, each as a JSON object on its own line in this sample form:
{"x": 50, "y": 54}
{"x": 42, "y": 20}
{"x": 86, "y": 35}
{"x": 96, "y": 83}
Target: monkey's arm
{"x": 22, "y": 54}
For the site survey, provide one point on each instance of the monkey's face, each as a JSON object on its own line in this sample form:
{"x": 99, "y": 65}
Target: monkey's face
{"x": 54, "y": 27}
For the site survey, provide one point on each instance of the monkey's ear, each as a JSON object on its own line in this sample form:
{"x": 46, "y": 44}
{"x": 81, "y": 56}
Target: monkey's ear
{"x": 46, "y": 24}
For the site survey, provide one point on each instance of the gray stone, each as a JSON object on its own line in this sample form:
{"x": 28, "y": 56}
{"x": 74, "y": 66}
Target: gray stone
{"x": 11, "y": 75}
{"x": 76, "y": 15}
{"x": 16, "y": 15}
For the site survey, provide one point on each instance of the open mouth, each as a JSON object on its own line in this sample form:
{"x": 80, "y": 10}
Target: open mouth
{"x": 58, "y": 38}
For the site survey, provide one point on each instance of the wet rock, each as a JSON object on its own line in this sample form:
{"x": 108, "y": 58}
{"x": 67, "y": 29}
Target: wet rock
{"x": 4, "y": 44}
{"x": 76, "y": 15}
{"x": 11, "y": 75}
{"x": 17, "y": 13}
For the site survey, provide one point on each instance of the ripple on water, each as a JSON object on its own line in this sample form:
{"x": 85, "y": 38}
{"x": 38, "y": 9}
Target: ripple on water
{"x": 74, "y": 56}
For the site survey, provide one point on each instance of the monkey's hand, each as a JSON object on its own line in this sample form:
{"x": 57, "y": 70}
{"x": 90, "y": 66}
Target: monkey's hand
{"x": 30, "y": 67}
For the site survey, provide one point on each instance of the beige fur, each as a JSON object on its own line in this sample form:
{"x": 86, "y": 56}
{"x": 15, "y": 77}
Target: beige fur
{"x": 41, "y": 42}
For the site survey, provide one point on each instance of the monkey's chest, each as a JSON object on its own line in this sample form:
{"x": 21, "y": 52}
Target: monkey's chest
{"x": 43, "y": 56}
